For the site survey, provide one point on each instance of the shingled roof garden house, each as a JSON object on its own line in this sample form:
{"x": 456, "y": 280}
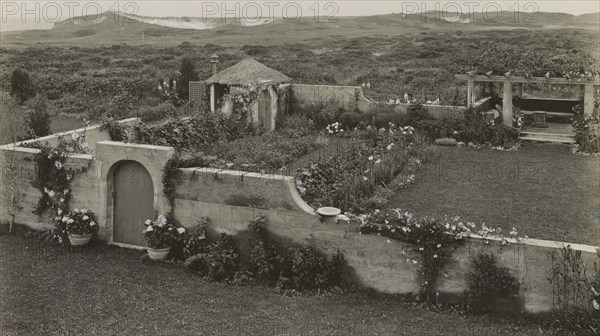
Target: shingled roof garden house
{"x": 250, "y": 86}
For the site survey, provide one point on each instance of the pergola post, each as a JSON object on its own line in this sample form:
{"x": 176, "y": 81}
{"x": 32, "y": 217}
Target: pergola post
{"x": 212, "y": 98}
{"x": 520, "y": 90}
{"x": 588, "y": 100}
{"x": 507, "y": 108}
{"x": 470, "y": 87}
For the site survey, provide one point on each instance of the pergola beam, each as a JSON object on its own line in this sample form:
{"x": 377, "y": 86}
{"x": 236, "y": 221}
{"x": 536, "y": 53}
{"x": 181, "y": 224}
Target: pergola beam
{"x": 538, "y": 80}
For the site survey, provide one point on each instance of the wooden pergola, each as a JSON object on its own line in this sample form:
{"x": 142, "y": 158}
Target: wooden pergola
{"x": 507, "y": 106}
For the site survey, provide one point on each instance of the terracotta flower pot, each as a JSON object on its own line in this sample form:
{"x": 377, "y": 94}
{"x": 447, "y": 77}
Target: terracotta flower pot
{"x": 80, "y": 240}
{"x": 158, "y": 254}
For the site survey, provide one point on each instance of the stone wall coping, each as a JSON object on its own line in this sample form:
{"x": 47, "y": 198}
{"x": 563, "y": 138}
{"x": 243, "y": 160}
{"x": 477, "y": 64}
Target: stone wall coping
{"x": 134, "y": 145}
{"x": 327, "y": 85}
{"x": 540, "y": 243}
{"x": 233, "y": 173}
{"x": 79, "y": 130}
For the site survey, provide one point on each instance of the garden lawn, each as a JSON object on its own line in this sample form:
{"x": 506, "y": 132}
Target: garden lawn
{"x": 542, "y": 190}
{"x": 102, "y": 290}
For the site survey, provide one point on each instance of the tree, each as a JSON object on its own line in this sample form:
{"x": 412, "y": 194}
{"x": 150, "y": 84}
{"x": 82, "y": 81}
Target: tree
{"x": 11, "y": 167}
{"x": 21, "y": 85}
{"x": 187, "y": 73}
{"x": 38, "y": 118}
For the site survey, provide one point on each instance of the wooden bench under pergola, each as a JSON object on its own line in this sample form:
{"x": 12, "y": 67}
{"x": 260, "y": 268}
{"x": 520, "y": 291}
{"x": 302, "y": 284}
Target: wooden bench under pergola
{"x": 508, "y": 81}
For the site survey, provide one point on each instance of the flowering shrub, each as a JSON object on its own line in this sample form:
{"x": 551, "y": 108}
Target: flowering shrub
{"x": 161, "y": 234}
{"x": 79, "y": 222}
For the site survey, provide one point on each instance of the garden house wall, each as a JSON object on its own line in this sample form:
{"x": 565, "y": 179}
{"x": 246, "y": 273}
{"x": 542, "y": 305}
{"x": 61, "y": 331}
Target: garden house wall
{"x": 352, "y": 98}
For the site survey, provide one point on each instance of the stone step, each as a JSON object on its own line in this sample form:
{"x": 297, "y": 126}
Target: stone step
{"x": 542, "y": 134}
{"x": 564, "y": 139}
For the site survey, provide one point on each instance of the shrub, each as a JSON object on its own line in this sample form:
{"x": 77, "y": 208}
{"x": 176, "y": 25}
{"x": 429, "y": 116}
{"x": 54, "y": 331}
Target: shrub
{"x": 297, "y": 126}
{"x": 21, "y": 85}
{"x": 487, "y": 282}
{"x": 446, "y": 142}
{"x": 417, "y": 112}
{"x": 440, "y": 128}
{"x": 587, "y": 130}
{"x": 38, "y": 118}
{"x": 307, "y": 269}
{"x": 350, "y": 120}
{"x": 504, "y": 136}
{"x": 384, "y": 119}
{"x": 219, "y": 262}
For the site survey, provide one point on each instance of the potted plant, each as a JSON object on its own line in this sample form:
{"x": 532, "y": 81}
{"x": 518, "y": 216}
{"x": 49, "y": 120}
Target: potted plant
{"x": 160, "y": 237}
{"x": 80, "y": 226}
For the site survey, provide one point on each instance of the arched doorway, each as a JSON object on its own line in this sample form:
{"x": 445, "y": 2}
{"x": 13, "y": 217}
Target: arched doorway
{"x": 133, "y": 202}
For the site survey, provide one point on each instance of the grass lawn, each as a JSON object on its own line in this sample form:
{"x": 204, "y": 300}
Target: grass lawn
{"x": 102, "y": 290}
{"x": 543, "y": 190}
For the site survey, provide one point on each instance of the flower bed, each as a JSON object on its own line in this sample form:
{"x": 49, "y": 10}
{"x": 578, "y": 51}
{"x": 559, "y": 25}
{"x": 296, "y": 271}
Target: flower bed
{"x": 364, "y": 172}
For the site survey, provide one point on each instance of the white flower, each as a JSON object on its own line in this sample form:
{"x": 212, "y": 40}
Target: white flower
{"x": 71, "y": 221}
{"x": 149, "y": 228}
{"x": 371, "y": 158}
{"x": 595, "y": 291}
{"x": 435, "y": 255}
{"x": 85, "y": 217}
{"x": 74, "y": 135}
{"x": 59, "y": 211}
{"x": 83, "y": 210}
{"x": 148, "y": 222}
{"x": 51, "y": 193}
{"x": 181, "y": 230}
{"x": 62, "y": 200}
{"x": 92, "y": 223}
{"x": 595, "y": 304}
{"x": 65, "y": 219}
{"x": 76, "y": 211}
{"x": 439, "y": 245}
{"x": 58, "y": 165}
{"x": 57, "y": 218}
{"x": 66, "y": 191}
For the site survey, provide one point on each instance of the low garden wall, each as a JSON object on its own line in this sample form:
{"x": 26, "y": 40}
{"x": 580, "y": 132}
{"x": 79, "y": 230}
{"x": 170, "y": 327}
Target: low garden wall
{"x": 376, "y": 262}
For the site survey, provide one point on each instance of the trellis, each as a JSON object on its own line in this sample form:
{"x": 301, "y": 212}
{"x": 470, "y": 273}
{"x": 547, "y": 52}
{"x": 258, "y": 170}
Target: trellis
{"x": 508, "y": 81}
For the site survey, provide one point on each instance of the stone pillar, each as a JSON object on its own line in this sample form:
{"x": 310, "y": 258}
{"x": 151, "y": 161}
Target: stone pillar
{"x": 588, "y": 100}
{"x": 507, "y": 108}
{"x": 212, "y": 98}
{"x": 470, "y": 93}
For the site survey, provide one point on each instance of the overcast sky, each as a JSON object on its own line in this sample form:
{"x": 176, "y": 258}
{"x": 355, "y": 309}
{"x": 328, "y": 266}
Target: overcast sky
{"x": 42, "y": 14}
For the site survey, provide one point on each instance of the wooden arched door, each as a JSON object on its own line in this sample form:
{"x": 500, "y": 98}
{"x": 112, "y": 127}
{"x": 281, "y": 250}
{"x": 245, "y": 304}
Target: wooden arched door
{"x": 264, "y": 110}
{"x": 133, "y": 202}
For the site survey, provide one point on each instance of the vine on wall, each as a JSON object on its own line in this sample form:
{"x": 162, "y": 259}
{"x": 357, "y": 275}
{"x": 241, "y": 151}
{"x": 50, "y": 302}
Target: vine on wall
{"x": 54, "y": 178}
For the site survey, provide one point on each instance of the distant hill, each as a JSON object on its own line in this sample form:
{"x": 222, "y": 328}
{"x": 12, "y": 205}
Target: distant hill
{"x": 114, "y": 28}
